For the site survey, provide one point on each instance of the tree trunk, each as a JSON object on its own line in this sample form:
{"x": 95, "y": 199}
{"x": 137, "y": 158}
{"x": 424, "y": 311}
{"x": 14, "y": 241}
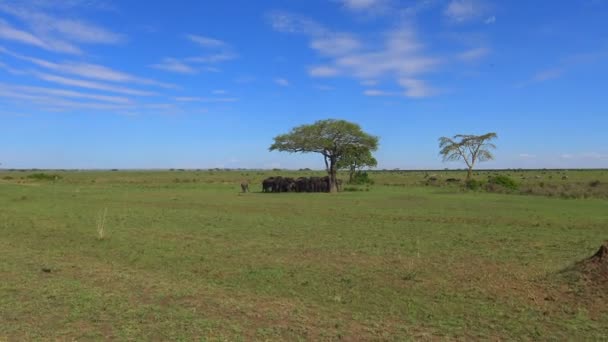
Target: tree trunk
{"x": 469, "y": 174}
{"x": 333, "y": 184}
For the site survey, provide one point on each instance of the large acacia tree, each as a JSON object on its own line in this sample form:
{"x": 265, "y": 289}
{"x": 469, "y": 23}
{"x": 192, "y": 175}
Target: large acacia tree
{"x": 469, "y": 148}
{"x": 333, "y": 139}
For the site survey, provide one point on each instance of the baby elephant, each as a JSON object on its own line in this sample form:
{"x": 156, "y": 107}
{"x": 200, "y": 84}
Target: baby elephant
{"x": 245, "y": 186}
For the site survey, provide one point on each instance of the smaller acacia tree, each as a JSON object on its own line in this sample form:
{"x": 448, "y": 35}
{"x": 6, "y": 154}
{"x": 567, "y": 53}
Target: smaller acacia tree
{"x": 333, "y": 139}
{"x": 469, "y": 148}
{"x": 356, "y": 160}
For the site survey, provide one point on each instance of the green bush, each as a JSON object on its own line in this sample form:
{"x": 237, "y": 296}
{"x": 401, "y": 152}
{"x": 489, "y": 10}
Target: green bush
{"x": 360, "y": 178}
{"x": 504, "y": 181}
{"x": 473, "y": 184}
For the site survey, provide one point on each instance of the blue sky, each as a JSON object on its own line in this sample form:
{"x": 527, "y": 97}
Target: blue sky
{"x": 204, "y": 84}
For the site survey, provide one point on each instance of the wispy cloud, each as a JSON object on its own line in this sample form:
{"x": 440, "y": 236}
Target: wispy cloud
{"x": 91, "y": 85}
{"x": 527, "y": 156}
{"x": 417, "y": 88}
{"x": 490, "y": 20}
{"x": 361, "y": 5}
{"x": 542, "y": 76}
{"x": 175, "y": 65}
{"x": 377, "y": 92}
{"x": 212, "y": 58}
{"x": 218, "y": 51}
{"x": 87, "y": 70}
{"x": 323, "y": 71}
{"x": 546, "y": 75}
{"x": 205, "y": 99}
{"x": 400, "y": 55}
{"x": 474, "y": 54}
{"x": 461, "y": 11}
{"x": 206, "y": 42}
{"x": 62, "y": 93}
{"x": 282, "y": 82}
{"x": 52, "y": 33}
{"x": 8, "y": 32}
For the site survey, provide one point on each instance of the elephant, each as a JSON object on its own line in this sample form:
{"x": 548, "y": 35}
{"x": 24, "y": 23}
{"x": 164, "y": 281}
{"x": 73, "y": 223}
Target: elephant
{"x": 268, "y": 184}
{"x": 302, "y": 184}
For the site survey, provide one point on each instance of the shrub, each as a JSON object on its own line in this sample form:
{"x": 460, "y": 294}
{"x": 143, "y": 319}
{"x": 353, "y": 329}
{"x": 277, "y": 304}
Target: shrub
{"x": 43, "y": 176}
{"x": 7, "y": 177}
{"x": 594, "y": 184}
{"x": 361, "y": 177}
{"x": 473, "y": 184}
{"x": 504, "y": 182}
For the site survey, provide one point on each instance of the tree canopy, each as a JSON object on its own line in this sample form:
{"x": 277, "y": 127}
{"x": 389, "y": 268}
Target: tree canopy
{"x": 356, "y": 160}
{"x": 336, "y": 140}
{"x": 469, "y": 148}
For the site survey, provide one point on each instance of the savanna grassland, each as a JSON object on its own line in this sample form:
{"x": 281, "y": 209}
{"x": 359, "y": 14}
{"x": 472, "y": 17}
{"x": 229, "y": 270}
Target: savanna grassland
{"x": 185, "y": 256}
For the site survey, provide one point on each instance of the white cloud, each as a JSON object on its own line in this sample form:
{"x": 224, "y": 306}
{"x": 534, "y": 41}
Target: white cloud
{"x": 289, "y": 23}
{"x": 53, "y": 33}
{"x": 62, "y": 93}
{"x": 463, "y": 10}
{"x": 323, "y": 71}
{"x": 206, "y": 42}
{"x": 282, "y": 82}
{"x": 87, "y": 70}
{"x": 359, "y": 5}
{"x": 542, "y": 76}
{"x": 222, "y": 52}
{"x": 527, "y": 156}
{"x": 175, "y": 65}
{"x": 369, "y": 82}
{"x": 8, "y": 32}
{"x": 376, "y": 92}
{"x": 91, "y": 85}
{"x": 474, "y": 54}
{"x": 335, "y": 44}
{"x": 546, "y": 75}
{"x": 212, "y": 58}
{"x": 55, "y": 102}
{"x": 490, "y": 20}
{"x": 417, "y": 88}
{"x": 205, "y": 99}
{"x": 219, "y": 92}
{"x": 397, "y": 55}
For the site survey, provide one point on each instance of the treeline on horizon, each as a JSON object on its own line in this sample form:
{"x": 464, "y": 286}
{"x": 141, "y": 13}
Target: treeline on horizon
{"x": 291, "y": 170}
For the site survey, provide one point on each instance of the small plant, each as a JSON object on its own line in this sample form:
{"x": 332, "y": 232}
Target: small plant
{"x": 594, "y": 184}
{"x": 101, "y": 223}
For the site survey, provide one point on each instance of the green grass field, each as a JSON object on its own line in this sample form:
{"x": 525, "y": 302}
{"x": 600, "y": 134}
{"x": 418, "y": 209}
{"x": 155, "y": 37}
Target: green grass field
{"x": 185, "y": 256}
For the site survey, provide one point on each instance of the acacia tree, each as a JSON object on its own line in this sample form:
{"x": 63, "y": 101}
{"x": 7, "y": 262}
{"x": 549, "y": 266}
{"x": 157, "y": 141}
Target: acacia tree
{"x": 334, "y": 139}
{"x": 355, "y": 160}
{"x": 469, "y": 148}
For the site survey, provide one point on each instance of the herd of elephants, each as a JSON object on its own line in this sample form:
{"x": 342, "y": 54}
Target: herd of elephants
{"x": 302, "y": 184}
